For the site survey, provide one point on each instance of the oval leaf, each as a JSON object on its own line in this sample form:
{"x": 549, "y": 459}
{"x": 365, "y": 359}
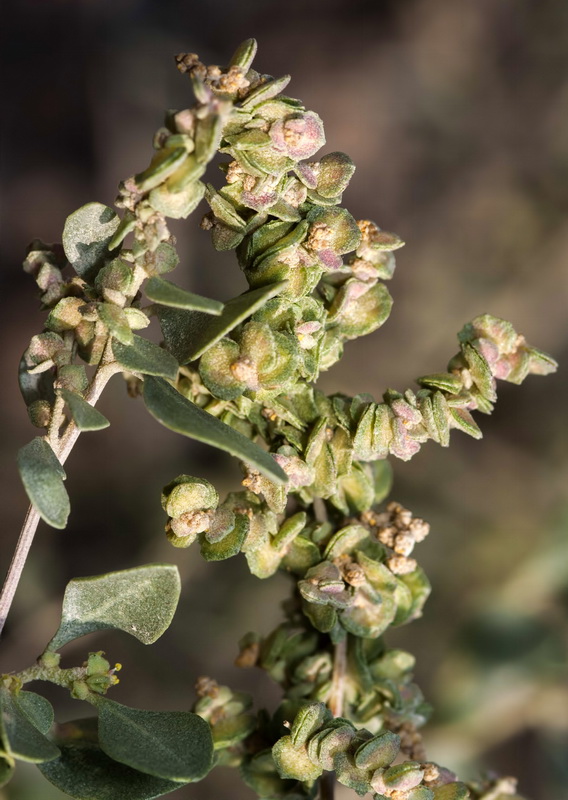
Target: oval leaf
{"x": 37, "y": 709}
{"x": 178, "y": 414}
{"x": 84, "y": 772}
{"x": 145, "y": 357}
{"x": 167, "y": 293}
{"x": 188, "y": 334}
{"x": 140, "y": 601}
{"x": 20, "y": 737}
{"x": 176, "y": 745}
{"x": 86, "y": 236}
{"x": 42, "y": 476}
{"x": 86, "y": 417}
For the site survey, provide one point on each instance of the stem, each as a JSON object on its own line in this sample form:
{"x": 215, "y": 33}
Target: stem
{"x": 62, "y": 450}
{"x": 335, "y": 704}
{"x": 327, "y": 786}
{"x": 18, "y": 561}
{"x": 338, "y": 680}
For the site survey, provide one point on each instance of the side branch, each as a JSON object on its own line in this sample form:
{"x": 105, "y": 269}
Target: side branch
{"x": 62, "y": 451}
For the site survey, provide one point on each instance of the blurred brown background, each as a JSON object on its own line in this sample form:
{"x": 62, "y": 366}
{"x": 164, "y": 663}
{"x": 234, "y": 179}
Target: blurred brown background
{"x": 456, "y": 114}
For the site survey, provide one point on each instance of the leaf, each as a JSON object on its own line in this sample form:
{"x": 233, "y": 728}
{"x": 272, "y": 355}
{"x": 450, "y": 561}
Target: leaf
{"x": 177, "y": 205}
{"x": 86, "y": 236}
{"x": 42, "y": 476}
{"x": 244, "y": 54}
{"x": 265, "y": 91}
{"x": 38, "y": 709}
{"x": 230, "y": 545}
{"x": 86, "y": 417}
{"x": 20, "y": 737}
{"x": 145, "y": 357}
{"x": 84, "y": 772}
{"x": 420, "y": 589}
{"x": 178, "y": 414}
{"x": 168, "y": 294}
{"x": 140, "y": 601}
{"x": 188, "y": 334}
{"x": 116, "y": 321}
{"x": 176, "y": 745}
{"x": 164, "y": 164}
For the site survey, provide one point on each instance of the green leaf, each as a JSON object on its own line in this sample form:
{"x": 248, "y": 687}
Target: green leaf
{"x": 244, "y": 54}
{"x": 86, "y": 236}
{"x": 420, "y": 589}
{"x": 176, "y": 745}
{"x": 20, "y": 737}
{"x": 38, "y": 709}
{"x": 293, "y": 762}
{"x": 116, "y": 321}
{"x": 164, "y": 164}
{"x": 42, "y": 476}
{"x": 86, "y": 417}
{"x": 140, "y": 601}
{"x": 177, "y": 205}
{"x": 446, "y": 381}
{"x": 168, "y": 294}
{"x": 84, "y": 772}
{"x": 188, "y": 334}
{"x": 145, "y": 357}
{"x": 265, "y": 91}
{"x": 178, "y": 414}
{"x": 230, "y": 545}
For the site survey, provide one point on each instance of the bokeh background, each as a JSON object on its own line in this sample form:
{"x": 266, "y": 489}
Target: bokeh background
{"x": 456, "y": 114}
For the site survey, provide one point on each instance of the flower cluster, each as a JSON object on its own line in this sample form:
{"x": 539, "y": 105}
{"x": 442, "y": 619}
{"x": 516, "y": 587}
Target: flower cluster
{"x": 361, "y": 761}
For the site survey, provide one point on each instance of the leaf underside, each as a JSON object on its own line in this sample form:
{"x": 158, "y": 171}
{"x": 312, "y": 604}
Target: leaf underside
{"x": 42, "y": 476}
{"x": 188, "y": 334}
{"x": 178, "y": 414}
{"x": 139, "y": 601}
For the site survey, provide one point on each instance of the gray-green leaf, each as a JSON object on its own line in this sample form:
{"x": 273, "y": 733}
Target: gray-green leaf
{"x": 188, "y": 334}
{"x": 38, "y": 709}
{"x": 86, "y": 417}
{"x": 178, "y": 414}
{"x": 20, "y": 737}
{"x": 84, "y": 772}
{"x": 140, "y": 601}
{"x": 42, "y": 476}
{"x": 145, "y": 357}
{"x": 176, "y": 745}
{"x": 167, "y": 293}
{"x": 86, "y": 236}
